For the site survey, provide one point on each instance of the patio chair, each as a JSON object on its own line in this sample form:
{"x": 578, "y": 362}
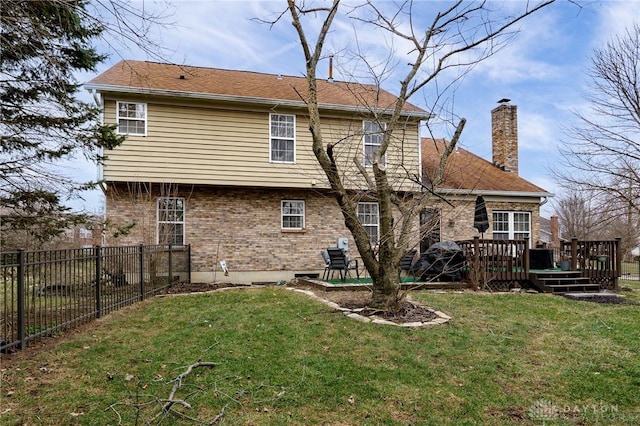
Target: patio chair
{"x": 338, "y": 261}
{"x": 327, "y": 263}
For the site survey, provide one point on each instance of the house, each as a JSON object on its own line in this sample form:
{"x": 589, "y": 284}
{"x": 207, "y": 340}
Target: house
{"x": 513, "y": 203}
{"x": 222, "y": 160}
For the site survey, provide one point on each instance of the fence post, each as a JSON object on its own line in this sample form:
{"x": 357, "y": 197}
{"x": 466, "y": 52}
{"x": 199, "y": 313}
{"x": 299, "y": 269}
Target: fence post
{"x": 189, "y": 262}
{"x": 141, "y": 262}
{"x": 97, "y": 252}
{"x": 618, "y": 265}
{"x": 170, "y": 278}
{"x": 21, "y": 310}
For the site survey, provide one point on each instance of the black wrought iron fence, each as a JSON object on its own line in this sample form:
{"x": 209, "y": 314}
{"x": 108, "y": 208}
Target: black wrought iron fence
{"x": 43, "y": 292}
{"x": 631, "y": 270}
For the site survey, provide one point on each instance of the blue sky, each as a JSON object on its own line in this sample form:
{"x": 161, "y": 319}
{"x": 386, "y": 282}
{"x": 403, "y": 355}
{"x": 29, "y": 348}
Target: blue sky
{"x": 542, "y": 71}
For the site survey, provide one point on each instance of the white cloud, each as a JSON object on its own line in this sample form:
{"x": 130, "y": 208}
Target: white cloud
{"x": 537, "y": 132}
{"x": 614, "y": 16}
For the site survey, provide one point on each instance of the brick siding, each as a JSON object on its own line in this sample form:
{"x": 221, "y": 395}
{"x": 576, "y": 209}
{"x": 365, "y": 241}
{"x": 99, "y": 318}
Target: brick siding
{"x": 242, "y": 226}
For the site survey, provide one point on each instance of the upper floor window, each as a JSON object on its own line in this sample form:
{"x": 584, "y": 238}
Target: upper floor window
{"x": 171, "y": 220}
{"x": 132, "y": 118}
{"x": 282, "y": 138}
{"x": 292, "y": 214}
{"x": 370, "y": 219}
{"x": 372, "y": 141}
{"x": 509, "y": 225}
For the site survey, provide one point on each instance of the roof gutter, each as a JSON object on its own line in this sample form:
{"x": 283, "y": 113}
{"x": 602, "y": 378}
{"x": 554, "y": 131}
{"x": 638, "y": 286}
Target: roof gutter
{"x": 421, "y": 115}
{"x": 476, "y": 192}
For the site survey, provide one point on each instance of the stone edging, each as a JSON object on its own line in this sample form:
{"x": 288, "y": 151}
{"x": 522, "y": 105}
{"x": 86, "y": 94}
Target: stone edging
{"x": 354, "y": 313}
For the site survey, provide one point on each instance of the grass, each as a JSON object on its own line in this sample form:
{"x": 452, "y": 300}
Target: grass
{"x": 283, "y": 358}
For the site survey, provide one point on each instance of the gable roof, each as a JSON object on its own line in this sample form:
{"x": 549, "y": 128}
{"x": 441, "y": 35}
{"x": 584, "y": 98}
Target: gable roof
{"x": 242, "y": 86}
{"x": 466, "y": 172}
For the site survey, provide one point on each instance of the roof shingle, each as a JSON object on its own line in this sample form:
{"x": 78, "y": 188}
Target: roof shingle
{"x": 466, "y": 171}
{"x": 145, "y": 76}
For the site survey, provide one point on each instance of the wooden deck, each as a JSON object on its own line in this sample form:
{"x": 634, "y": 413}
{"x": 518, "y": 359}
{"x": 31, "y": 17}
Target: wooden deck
{"x": 505, "y": 264}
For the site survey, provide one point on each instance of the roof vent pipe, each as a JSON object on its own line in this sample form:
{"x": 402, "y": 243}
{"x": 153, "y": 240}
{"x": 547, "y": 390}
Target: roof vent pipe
{"x": 330, "y": 69}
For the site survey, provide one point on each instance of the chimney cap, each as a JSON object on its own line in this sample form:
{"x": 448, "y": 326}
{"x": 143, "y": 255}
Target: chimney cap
{"x": 504, "y": 101}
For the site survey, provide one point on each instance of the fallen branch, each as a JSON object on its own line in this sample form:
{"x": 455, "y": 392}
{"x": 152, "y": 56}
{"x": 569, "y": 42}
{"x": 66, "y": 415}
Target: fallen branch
{"x": 178, "y": 383}
{"x": 171, "y": 401}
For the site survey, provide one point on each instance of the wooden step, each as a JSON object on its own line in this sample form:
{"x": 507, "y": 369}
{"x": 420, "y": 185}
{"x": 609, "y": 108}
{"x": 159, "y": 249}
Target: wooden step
{"x": 563, "y": 282}
{"x": 555, "y": 274}
{"x": 574, "y": 288}
{"x": 570, "y": 280}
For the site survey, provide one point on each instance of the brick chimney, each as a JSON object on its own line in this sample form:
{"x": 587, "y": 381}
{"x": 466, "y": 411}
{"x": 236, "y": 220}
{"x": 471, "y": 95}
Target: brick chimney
{"x": 504, "y": 136}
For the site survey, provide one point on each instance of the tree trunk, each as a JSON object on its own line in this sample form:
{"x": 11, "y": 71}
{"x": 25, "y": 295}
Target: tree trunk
{"x": 386, "y": 285}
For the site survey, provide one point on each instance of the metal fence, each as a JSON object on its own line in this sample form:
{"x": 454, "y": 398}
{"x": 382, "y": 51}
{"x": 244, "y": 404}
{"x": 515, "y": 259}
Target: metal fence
{"x": 43, "y": 292}
{"x": 631, "y": 270}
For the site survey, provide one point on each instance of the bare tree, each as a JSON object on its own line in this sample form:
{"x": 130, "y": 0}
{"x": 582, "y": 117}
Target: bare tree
{"x": 455, "y": 39}
{"x": 602, "y": 154}
{"x": 587, "y": 215}
{"x": 578, "y": 215}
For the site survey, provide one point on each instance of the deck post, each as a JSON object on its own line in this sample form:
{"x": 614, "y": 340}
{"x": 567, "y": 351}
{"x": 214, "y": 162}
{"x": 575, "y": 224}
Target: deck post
{"x": 574, "y": 253}
{"x": 476, "y": 258}
{"x": 527, "y": 259}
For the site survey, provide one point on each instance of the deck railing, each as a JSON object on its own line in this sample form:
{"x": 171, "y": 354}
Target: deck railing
{"x": 44, "y": 291}
{"x": 601, "y": 261}
{"x": 496, "y": 260}
{"x": 499, "y": 263}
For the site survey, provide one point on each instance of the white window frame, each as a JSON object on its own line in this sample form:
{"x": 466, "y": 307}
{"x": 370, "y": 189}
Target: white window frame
{"x": 286, "y": 212}
{"x": 138, "y": 115}
{"x": 370, "y": 219}
{"x": 372, "y": 138}
{"x": 511, "y": 224}
{"x": 175, "y": 217}
{"x": 282, "y": 132}
{"x": 85, "y": 233}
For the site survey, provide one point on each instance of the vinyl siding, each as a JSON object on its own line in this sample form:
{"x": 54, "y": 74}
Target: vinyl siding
{"x": 195, "y": 143}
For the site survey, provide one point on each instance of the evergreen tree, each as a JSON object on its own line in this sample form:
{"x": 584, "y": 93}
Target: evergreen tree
{"x": 44, "y": 44}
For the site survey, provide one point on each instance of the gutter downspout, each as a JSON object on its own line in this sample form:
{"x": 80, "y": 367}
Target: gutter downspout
{"x": 100, "y": 172}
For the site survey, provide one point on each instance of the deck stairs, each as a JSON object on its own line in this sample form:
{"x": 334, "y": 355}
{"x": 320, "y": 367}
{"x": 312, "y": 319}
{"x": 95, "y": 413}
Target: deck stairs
{"x": 562, "y": 282}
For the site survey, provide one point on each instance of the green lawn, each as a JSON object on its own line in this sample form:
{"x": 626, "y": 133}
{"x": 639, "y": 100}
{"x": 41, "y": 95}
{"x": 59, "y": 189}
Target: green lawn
{"x": 283, "y": 358}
